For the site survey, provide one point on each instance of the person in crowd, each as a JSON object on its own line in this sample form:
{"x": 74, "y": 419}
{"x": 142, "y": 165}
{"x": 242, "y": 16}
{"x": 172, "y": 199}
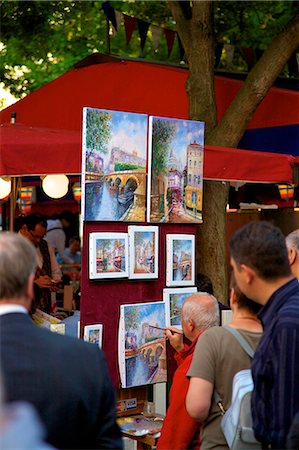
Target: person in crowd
{"x": 65, "y": 379}
{"x": 72, "y": 322}
{"x": 179, "y": 431}
{"x": 204, "y": 284}
{"x": 56, "y": 236}
{"x": 72, "y": 252}
{"x": 292, "y": 241}
{"x": 48, "y": 274}
{"x": 260, "y": 263}
{"x": 218, "y": 356}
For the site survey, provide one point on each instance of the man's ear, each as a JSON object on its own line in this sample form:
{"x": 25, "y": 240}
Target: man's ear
{"x": 191, "y": 325}
{"x": 249, "y": 274}
{"x": 292, "y": 254}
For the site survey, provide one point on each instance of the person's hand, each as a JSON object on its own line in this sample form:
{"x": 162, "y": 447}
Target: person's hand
{"x": 175, "y": 337}
{"x": 43, "y": 281}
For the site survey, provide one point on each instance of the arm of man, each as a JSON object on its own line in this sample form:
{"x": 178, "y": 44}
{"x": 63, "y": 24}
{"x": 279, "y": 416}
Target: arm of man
{"x": 199, "y": 397}
{"x": 55, "y": 269}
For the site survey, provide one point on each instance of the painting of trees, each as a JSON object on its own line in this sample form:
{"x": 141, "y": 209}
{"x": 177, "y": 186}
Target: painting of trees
{"x": 98, "y": 132}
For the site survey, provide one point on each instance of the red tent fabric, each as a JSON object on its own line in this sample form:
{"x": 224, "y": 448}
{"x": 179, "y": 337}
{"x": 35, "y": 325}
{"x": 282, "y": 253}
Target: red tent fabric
{"x": 112, "y": 83}
{"x": 38, "y": 151}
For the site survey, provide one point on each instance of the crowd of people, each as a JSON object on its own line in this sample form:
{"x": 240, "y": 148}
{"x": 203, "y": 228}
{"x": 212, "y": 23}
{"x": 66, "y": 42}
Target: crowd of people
{"x": 67, "y": 382}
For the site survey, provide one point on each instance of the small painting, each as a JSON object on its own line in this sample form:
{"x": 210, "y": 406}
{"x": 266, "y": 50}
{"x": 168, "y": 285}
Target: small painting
{"x": 143, "y": 252}
{"x": 108, "y": 255}
{"x": 114, "y": 165}
{"x": 180, "y": 260}
{"x": 174, "y": 299}
{"x": 94, "y": 334}
{"x": 142, "y": 346}
{"x": 175, "y": 182}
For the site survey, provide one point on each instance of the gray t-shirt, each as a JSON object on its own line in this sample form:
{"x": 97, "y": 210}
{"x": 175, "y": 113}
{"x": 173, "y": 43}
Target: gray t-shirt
{"x": 218, "y": 356}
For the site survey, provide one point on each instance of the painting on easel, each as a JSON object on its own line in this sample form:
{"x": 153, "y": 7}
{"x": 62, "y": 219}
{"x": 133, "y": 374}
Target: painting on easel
{"x": 142, "y": 346}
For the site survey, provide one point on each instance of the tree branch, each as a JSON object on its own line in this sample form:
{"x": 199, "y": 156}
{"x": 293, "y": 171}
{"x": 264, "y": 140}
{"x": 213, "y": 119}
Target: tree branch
{"x": 258, "y": 82}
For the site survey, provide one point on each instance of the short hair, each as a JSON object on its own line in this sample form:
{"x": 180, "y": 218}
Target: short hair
{"x": 204, "y": 283}
{"x": 66, "y": 215}
{"x": 17, "y": 262}
{"x": 203, "y": 309}
{"x": 261, "y": 246}
{"x": 34, "y": 219}
{"x": 292, "y": 240}
{"x": 74, "y": 239}
{"x": 242, "y": 300}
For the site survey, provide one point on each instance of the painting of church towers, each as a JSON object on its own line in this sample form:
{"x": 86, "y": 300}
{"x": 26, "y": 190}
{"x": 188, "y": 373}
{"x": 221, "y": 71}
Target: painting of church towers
{"x": 114, "y": 165}
{"x": 143, "y": 252}
{"x": 175, "y": 181}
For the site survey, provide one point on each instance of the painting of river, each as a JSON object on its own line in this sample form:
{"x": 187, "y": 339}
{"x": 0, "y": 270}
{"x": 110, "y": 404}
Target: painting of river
{"x": 180, "y": 260}
{"x": 114, "y": 165}
{"x": 143, "y": 252}
{"x": 142, "y": 346}
{"x": 174, "y": 299}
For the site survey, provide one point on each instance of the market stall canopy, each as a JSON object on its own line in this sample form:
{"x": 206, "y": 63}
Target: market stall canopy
{"x": 38, "y": 151}
{"x": 108, "y": 82}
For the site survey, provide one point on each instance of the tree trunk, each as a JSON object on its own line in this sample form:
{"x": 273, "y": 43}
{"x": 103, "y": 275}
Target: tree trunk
{"x": 195, "y": 27}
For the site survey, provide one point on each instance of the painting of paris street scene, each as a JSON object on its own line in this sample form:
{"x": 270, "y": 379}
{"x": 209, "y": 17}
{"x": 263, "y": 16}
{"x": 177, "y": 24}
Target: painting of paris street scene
{"x": 174, "y": 299}
{"x": 142, "y": 347}
{"x": 175, "y": 183}
{"x": 143, "y": 252}
{"x": 180, "y": 260}
{"x": 108, "y": 255}
{"x": 114, "y": 165}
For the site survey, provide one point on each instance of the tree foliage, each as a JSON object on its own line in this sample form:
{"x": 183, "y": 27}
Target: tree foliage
{"x": 132, "y": 318}
{"x": 98, "y": 131}
{"x": 43, "y": 39}
{"x": 163, "y": 134}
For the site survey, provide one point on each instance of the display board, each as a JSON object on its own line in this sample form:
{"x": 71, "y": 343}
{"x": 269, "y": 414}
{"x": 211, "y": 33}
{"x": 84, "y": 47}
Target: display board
{"x": 101, "y": 298}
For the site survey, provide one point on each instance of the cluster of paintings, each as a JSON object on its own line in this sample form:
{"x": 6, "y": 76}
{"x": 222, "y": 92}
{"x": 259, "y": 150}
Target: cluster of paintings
{"x": 141, "y": 341}
{"x": 120, "y": 149}
{"x": 134, "y": 255}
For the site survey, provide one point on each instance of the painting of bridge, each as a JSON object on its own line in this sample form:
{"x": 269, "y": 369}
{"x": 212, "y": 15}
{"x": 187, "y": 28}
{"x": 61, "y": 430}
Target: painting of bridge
{"x": 142, "y": 346}
{"x": 180, "y": 259}
{"x": 114, "y": 165}
{"x": 174, "y": 299}
{"x": 175, "y": 181}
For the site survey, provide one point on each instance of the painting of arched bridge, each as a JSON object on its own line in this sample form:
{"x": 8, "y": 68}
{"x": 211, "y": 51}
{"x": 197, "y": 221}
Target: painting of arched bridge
{"x": 114, "y": 165}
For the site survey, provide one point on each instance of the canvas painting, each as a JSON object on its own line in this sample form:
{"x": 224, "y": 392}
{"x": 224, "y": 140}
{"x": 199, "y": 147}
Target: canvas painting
{"x": 114, "y": 165}
{"x": 174, "y": 299}
{"x": 143, "y": 252}
{"x": 142, "y": 346}
{"x": 175, "y": 182}
{"x": 108, "y": 255}
{"x": 94, "y": 334}
{"x": 180, "y": 260}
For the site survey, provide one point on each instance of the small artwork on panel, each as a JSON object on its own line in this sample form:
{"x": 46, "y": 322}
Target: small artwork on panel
{"x": 174, "y": 299}
{"x": 94, "y": 334}
{"x": 108, "y": 255}
{"x": 142, "y": 346}
{"x": 180, "y": 260}
{"x": 114, "y": 165}
{"x": 175, "y": 182}
{"x": 143, "y": 251}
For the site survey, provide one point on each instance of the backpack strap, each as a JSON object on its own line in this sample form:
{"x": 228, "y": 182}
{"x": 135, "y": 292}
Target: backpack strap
{"x": 246, "y": 347}
{"x": 242, "y": 341}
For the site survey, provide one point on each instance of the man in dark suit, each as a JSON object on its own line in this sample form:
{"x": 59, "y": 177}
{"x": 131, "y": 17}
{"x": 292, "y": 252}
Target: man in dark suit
{"x": 65, "y": 379}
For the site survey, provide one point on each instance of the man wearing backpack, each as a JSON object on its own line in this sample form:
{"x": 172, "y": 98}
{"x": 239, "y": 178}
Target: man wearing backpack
{"x": 260, "y": 263}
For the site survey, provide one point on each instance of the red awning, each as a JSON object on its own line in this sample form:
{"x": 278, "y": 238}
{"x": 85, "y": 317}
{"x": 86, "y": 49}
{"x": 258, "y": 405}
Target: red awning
{"x": 39, "y": 151}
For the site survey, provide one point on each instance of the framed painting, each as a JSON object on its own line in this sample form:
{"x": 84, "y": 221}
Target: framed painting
{"x": 94, "y": 334}
{"x": 108, "y": 255}
{"x": 174, "y": 299}
{"x": 141, "y": 344}
{"x": 143, "y": 252}
{"x": 113, "y": 165}
{"x": 175, "y": 181}
{"x": 180, "y": 260}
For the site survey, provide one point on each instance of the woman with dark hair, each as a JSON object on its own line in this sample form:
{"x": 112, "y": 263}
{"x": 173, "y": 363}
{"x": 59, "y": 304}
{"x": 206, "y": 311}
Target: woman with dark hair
{"x": 217, "y": 358}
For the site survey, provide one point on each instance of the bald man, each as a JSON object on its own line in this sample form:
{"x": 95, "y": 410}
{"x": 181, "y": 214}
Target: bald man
{"x": 292, "y": 241}
{"x": 199, "y": 312}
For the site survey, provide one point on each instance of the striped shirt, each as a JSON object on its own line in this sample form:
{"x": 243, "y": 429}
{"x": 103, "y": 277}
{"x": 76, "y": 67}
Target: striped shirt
{"x": 275, "y": 367}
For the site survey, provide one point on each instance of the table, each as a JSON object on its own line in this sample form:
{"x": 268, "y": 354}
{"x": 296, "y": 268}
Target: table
{"x": 131, "y": 426}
